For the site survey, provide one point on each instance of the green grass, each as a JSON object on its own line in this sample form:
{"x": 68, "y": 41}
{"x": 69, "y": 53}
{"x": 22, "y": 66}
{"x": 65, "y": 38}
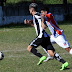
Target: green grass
{"x": 69, "y": 1}
{"x": 13, "y": 43}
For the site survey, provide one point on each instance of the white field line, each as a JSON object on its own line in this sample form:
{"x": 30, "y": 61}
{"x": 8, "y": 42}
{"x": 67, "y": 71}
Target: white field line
{"x": 16, "y": 50}
{"x": 12, "y": 56}
{"x": 7, "y": 30}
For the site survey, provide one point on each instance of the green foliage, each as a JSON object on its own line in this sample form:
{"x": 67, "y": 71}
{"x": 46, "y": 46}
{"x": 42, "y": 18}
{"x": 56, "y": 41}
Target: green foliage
{"x": 16, "y": 1}
{"x": 53, "y": 1}
{"x": 44, "y": 1}
{"x": 69, "y": 1}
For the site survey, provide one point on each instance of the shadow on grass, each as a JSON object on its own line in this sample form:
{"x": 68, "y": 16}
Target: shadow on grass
{"x": 21, "y": 25}
{"x": 67, "y": 69}
{"x": 15, "y": 26}
{"x": 68, "y": 22}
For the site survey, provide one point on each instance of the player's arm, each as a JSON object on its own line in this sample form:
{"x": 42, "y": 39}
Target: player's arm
{"x": 43, "y": 23}
{"x": 29, "y": 22}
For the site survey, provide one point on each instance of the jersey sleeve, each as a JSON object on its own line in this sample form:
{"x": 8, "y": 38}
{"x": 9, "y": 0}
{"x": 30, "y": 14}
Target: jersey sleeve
{"x": 48, "y": 16}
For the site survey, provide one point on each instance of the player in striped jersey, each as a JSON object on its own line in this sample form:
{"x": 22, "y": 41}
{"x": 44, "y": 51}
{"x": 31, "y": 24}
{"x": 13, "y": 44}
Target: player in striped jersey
{"x": 57, "y": 34}
{"x": 42, "y": 39}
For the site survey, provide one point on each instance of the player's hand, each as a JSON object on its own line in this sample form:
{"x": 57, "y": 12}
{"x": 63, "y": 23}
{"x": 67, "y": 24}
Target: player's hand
{"x": 42, "y": 15}
{"x": 25, "y": 21}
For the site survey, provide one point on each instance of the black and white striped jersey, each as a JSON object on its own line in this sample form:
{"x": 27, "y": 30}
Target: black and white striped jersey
{"x": 38, "y": 26}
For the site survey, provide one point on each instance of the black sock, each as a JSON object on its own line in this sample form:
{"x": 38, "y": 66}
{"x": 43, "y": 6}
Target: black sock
{"x": 58, "y": 57}
{"x": 35, "y": 52}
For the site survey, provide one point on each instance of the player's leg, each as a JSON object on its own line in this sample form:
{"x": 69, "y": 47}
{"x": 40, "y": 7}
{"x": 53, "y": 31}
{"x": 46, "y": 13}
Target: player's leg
{"x": 47, "y": 44}
{"x": 53, "y": 42}
{"x": 69, "y": 50}
{"x": 34, "y": 51}
{"x": 56, "y": 56}
{"x": 32, "y": 48}
{"x": 62, "y": 42}
{"x": 59, "y": 58}
{"x": 49, "y": 57}
{"x": 52, "y": 53}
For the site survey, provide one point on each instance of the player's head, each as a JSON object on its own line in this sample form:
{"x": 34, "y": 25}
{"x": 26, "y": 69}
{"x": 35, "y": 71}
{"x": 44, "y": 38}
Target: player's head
{"x": 44, "y": 11}
{"x": 32, "y": 7}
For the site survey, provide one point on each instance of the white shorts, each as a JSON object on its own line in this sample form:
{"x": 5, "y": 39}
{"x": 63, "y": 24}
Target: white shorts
{"x": 60, "y": 40}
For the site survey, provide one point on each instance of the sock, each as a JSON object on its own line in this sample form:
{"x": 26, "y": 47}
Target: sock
{"x": 58, "y": 57}
{"x": 70, "y": 52}
{"x": 46, "y": 52}
{"x": 35, "y": 52}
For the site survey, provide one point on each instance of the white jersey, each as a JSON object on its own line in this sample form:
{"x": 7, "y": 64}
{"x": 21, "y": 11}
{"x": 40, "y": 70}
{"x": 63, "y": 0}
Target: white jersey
{"x": 52, "y": 25}
{"x": 57, "y": 34}
{"x": 38, "y": 26}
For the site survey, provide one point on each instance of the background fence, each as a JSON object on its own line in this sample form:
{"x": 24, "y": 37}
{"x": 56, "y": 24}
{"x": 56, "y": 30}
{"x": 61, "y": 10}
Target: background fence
{"x": 22, "y": 10}
{"x": 16, "y": 13}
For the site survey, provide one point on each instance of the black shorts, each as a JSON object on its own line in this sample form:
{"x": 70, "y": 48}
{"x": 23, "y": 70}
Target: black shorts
{"x": 44, "y": 42}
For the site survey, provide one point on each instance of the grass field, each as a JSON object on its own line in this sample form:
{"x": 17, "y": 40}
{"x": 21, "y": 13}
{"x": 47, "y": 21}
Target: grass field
{"x": 13, "y": 43}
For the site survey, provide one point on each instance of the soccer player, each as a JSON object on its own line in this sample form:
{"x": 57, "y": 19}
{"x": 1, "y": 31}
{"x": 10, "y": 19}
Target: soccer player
{"x": 42, "y": 39}
{"x": 57, "y": 34}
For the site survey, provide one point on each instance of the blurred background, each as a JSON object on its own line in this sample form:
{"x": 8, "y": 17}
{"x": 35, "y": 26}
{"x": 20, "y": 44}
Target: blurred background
{"x": 15, "y": 36}
{"x": 15, "y": 11}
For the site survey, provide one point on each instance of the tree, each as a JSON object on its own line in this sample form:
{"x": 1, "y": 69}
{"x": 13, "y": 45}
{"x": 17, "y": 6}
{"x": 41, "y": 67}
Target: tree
{"x": 2, "y": 2}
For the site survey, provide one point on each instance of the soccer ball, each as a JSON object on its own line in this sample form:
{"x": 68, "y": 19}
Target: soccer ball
{"x": 1, "y": 55}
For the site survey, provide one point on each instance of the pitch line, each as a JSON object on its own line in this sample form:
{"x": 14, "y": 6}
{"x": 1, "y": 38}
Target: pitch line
{"x": 16, "y": 50}
{"x": 23, "y": 55}
{"x": 13, "y": 56}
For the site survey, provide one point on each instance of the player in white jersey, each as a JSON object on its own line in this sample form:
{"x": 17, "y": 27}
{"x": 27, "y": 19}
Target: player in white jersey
{"x": 42, "y": 39}
{"x": 57, "y": 34}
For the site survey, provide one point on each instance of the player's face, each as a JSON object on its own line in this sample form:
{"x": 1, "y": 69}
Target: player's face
{"x": 43, "y": 12}
{"x": 31, "y": 10}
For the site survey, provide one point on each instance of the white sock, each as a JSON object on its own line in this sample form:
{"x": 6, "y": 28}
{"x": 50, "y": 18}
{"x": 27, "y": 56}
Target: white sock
{"x": 46, "y": 51}
{"x": 70, "y": 52}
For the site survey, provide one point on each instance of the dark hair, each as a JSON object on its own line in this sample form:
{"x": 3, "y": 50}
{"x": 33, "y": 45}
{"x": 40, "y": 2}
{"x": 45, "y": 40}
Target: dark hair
{"x": 45, "y": 9}
{"x": 33, "y": 5}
